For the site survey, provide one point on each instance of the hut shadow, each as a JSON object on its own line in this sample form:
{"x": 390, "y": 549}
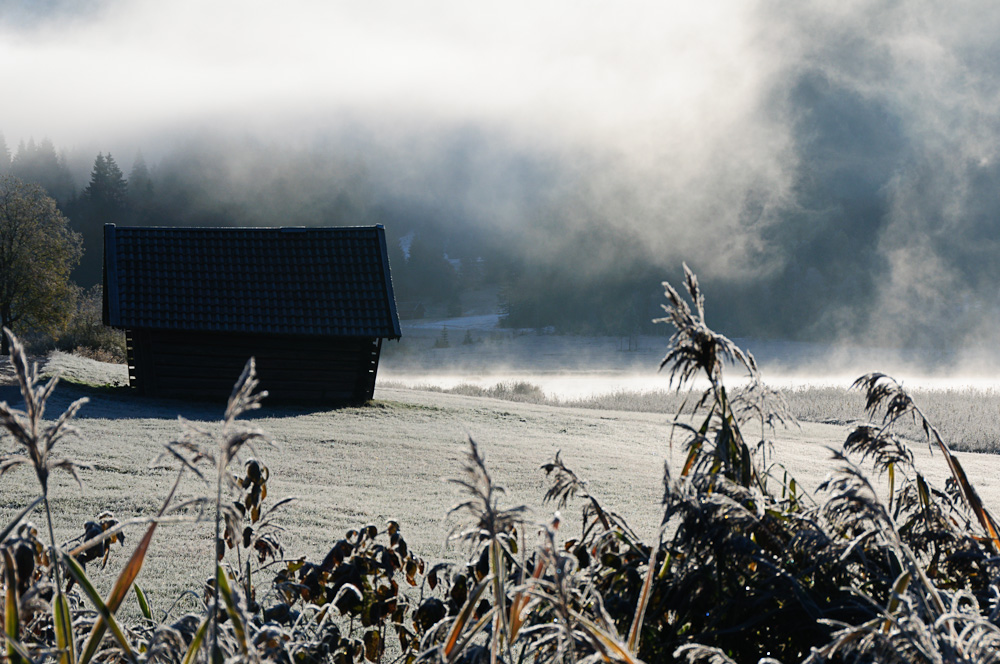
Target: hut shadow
{"x": 122, "y": 403}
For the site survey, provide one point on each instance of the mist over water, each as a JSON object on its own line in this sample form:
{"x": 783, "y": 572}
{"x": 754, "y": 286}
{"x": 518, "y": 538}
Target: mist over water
{"x": 567, "y": 368}
{"x": 583, "y": 385}
{"x": 829, "y": 169}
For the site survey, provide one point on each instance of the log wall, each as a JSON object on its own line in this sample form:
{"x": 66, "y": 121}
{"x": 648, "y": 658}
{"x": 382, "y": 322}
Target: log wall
{"x": 202, "y": 365}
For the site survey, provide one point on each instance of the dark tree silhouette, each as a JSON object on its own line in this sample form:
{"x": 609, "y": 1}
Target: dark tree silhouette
{"x": 39, "y": 164}
{"x": 37, "y": 253}
{"x": 107, "y": 192}
{"x": 426, "y": 273}
{"x": 104, "y": 201}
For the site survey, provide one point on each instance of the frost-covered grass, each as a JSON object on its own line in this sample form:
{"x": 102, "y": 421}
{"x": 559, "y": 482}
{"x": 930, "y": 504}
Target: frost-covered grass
{"x": 386, "y": 460}
{"x": 352, "y": 466}
{"x": 348, "y": 467}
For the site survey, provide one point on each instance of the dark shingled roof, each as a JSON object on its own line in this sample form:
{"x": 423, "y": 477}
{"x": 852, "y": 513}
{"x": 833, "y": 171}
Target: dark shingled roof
{"x": 310, "y": 281}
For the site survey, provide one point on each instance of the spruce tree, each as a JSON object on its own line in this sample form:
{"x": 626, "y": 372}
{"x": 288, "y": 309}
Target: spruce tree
{"x": 107, "y": 192}
{"x": 104, "y": 201}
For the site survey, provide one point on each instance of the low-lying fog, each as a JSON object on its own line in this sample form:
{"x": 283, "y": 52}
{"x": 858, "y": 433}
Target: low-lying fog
{"x": 576, "y": 367}
{"x": 581, "y": 385}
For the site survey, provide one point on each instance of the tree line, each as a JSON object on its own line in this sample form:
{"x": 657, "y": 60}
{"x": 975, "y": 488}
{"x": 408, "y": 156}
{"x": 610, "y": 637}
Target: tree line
{"x": 109, "y": 196}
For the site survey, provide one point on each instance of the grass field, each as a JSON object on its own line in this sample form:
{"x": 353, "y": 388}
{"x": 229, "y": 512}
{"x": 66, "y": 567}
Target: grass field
{"x": 368, "y": 464}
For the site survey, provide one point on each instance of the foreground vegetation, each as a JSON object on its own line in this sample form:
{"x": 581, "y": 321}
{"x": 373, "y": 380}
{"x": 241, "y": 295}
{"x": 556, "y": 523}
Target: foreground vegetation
{"x": 747, "y": 564}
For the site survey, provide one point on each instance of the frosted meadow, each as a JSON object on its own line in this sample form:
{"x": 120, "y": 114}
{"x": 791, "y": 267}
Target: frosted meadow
{"x": 379, "y": 468}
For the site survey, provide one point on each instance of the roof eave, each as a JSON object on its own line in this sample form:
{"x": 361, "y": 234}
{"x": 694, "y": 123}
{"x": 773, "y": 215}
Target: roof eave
{"x": 390, "y": 296}
{"x": 112, "y": 305}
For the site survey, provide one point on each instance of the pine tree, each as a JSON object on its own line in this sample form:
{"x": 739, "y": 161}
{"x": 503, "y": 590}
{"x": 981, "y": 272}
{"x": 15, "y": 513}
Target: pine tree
{"x": 104, "y": 201}
{"x": 107, "y": 192}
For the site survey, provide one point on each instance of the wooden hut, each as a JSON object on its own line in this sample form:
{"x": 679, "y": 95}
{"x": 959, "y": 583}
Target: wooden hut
{"x": 312, "y": 305}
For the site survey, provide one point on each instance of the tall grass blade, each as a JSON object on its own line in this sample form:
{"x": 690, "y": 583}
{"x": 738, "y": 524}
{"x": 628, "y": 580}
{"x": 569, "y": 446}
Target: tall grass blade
{"x": 499, "y": 596}
{"x": 923, "y": 494}
{"x": 892, "y": 483}
{"x": 140, "y": 596}
{"x": 232, "y": 609}
{"x": 460, "y": 648}
{"x": 449, "y": 651}
{"x": 119, "y": 591}
{"x": 975, "y": 502}
{"x": 697, "y": 442}
{"x": 610, "y": 647}
{"x": 521, "y": 601}
{"x": 62, "y": 622}
{"x": 642, "y": 603}
{"x": 12, "y": 609}
{"x": 693, "y": 455}
{"x": 90, "y": 648}
{"x": 897, "y": 592}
